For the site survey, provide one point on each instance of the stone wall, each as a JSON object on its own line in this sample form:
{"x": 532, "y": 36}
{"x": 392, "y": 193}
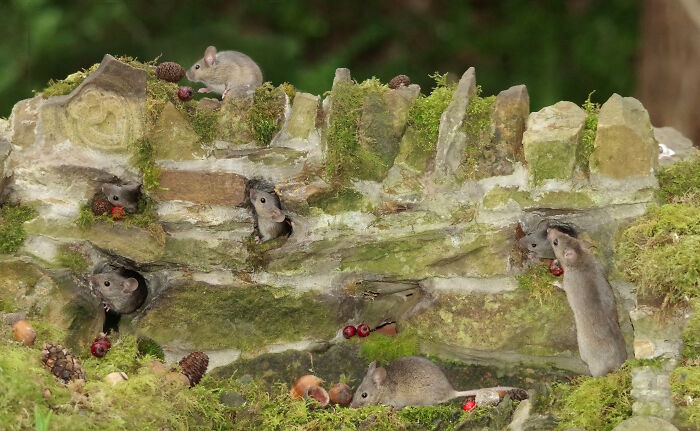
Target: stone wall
{"x": 388, "y": 223}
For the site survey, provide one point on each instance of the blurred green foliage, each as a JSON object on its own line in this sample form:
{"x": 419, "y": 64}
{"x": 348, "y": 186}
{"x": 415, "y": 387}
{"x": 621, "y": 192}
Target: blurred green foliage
{"x": 562, "y": 49}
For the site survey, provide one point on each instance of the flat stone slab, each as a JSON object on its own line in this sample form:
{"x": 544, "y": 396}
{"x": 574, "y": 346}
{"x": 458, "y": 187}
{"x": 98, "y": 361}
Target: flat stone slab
{"x": 209, "y": 188}
{"x": 645, "y": 423}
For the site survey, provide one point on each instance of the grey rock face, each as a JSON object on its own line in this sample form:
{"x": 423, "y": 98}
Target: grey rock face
{"x": 645, "y": 423}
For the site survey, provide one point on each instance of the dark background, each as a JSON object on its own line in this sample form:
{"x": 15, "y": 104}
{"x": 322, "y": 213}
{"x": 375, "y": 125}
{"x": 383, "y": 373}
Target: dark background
{"x": 562, "y": 49}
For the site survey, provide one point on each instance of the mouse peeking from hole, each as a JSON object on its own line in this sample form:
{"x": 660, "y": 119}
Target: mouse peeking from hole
{"x": 270, "y": 221}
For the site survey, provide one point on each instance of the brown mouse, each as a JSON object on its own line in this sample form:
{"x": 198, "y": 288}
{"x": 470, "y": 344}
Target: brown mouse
{"x": 412, "y": 381}
{"x": 270, "y": 221}
{"x": 224, "y": 71}
{"x": 600, "y": 341}
{"x": 119, "y": 290}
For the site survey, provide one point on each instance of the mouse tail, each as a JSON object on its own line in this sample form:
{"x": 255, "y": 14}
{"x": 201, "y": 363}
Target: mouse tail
{"x": 515, "y": 393}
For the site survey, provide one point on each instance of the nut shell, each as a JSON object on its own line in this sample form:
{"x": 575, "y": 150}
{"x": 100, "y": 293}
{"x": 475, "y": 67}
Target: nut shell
{"x": 317, "y": 393}
{"x": 398, "y": 81}
{"x": 340, "y": 394}
{"x": 23, "y": 332}
{"x": 116, "y": 377}
{"x": 302, "y": 384}
{"x": 170, "y": 71}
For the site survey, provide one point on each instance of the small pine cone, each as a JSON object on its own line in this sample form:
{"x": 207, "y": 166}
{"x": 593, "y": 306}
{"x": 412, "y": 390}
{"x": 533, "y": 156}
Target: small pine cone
{"x": 62, "y": 364}
{"x": 194, "y": 366}
{"x": 170, "y": 71}
{"x": 101, "y": 207}
{"x": 398, "y": 81}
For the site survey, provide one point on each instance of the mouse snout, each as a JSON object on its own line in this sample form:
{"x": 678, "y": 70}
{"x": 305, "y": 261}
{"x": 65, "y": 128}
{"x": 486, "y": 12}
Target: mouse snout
{"x": 189, "y": 74}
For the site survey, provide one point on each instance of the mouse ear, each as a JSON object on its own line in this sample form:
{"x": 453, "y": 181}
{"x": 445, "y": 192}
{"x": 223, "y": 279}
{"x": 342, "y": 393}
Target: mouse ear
{"x": 379, "y": 375}
{"x": 210, "y": 55}
{"x": 129, "y": 285}
{"x": 106, "y": 187}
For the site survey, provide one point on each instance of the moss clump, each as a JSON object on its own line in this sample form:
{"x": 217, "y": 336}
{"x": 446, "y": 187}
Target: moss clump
{"x": 585, "y": 147}
{"x": 680, "y": 180}
{"x": 691, "y": 335}
{"x": 12, "y": 233}
{"x": 685, "y": 387}
{"x": 289, "y": 90}
{"x": 538, "y": 282}
{"x": 245, "y": 318}
{"x": 145, "y": 216}
{"x": 349, "y": 156}
{"x": 599, "y": 403}
{"x": 68, "y": 257}
{"x": 660, "y": 253}
{"x": 147, "y": 346}
{"x": 423, "y": 124}
{"x": 477, "y": 127}
{"x": 339, "y": 201}
{"x": 144, "y": 161}
{"x": 384, "y": 349}
{"x": 266, "y": 113}
{"x": 257, "y": 252}
{"x": 68, "y": 84}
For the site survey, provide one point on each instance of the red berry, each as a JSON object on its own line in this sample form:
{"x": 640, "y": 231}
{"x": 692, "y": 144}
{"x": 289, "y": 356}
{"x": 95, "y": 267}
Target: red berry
{"x": 362, "y": 330}
{"x": 117, "y": 213}
{"x": 468, "y": 405}
{"x": 185, "y": 93}
{"x": 555, "y": 268}
{"x": 100, "y": 347}
{"x": 349, "y": 331}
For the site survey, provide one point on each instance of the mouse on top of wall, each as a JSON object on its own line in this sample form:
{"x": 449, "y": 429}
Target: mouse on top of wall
{"x": 591, "y": 298}
{"x": 536, "y": 242}
{"x": 120, "y": 290}
{"x": 225, "y": 71}
{"x": 269, "y": 219}
{"x": 413, "y": 381}
{"x": 126, "y": 196}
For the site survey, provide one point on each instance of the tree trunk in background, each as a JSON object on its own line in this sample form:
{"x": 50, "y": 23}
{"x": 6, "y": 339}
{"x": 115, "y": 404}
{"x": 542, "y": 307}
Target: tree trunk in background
{"x": 669, "y": 64}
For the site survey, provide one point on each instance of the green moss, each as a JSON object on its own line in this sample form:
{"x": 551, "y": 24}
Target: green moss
{"x": 691, "y": 334}
{"x": 266, "y": 113}
{"x": 585, "y": 147}
{"x": 660, "y": 253}
{"x": 68, "y": 84}
{"x": 143, "y": 159}
{"x": 347, "y": 155}
{"x": 500, "y": 196}
{"x": 70, "y": 258}
{"x": 339, "y": 201}
{"x": 685, "y": 387}
{"x": 595, "y": 403}
{"x": 147, "y": 346}
{"x": 12, "y": 233}
{"x": 385, "y": 349}
{"x": 680, "y": 180}
{"x": 538, "y": 283}
{"x": 145, "y": 217}
{"x": 258, "y": 252}
{"x": 477, "y": 127}
{"x": 289, "y": 90}
{"x": 204, "y": 123}
{"x": 423, "y": 126}
{"x": 244, "y": 318}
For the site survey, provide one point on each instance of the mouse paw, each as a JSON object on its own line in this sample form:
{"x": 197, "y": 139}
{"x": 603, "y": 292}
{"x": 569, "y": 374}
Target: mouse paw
{"x": 204, "y": 90}
{"x": 258, "y": 240}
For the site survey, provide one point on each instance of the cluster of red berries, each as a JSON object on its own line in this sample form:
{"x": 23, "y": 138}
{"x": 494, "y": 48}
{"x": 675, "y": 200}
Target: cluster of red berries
{"x": 117, "y": 213}
{"x": 469, "y": 405}
{"x": 362, "y": 330}
{"x": 100, "y": 346}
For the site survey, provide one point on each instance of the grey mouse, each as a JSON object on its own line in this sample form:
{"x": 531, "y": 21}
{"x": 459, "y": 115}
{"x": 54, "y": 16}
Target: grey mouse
{"x": 536, "y": 242}
{"x": 126, "y": 196}
{"x": 269, "y": 218}
{"x": 119, "y": 291}
{"x": 600, "y": 341}
{"x": 412, "y": 381}
{"x": 224, "y": 71}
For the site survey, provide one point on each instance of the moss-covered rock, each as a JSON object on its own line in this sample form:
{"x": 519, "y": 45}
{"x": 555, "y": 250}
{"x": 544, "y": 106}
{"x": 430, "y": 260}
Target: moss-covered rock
{"x": 173, "y": 138}
{"x": 482, "y": 157}
{"x": 12, "y": 232}
{"x": 685, "y": 386}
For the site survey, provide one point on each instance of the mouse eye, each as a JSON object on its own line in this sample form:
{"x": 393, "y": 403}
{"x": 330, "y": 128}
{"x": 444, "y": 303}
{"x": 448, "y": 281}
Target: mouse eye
{"x": 533, "y": 245}
{"x": 262, "y": 200}
{"x": 196, "y": 66}
{"x": 364, "y": 395}
{"x": 555, "y": 242}
{"x": 107, "y": 283}
{"x": 115, "y": 197}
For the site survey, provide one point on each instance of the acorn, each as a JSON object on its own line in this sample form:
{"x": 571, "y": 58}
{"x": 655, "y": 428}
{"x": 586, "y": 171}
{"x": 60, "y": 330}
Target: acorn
{"x": 100, "y": 346}
{"x": 185, "y": 93}
{"x": 23, "y": 332}
{"x": 170, "y": 71}
{"x": 363, "y": 330}
{"x": 317, "y": 393}
{"x": 101, "y": 207}
{"x": 194, "y": 366}
{"x": 117, "y": 213}
{"x": 341, "y": 394}
{"x": 555, "y": 268}
{"x": 349, "y": 331}
{"x": 116, "y": 377}
{"x": 398, "y": 81}
{"x": 302, "y": 384}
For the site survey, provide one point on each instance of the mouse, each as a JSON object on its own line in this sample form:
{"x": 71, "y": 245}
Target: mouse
{"x": 413, "y": 381}
{"x": 536, "y": 242}
{"x": 591, "y": 298}
{"x": 119, "y": 290}
{"x": 126, "y": 196}
{"x": 225, "y": 71}
{"x": 270, "y": 221}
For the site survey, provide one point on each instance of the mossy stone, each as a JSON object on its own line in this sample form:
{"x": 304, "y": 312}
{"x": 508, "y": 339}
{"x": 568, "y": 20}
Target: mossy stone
{"x": 173, "y": 138}
{"x": 302, "y": 119}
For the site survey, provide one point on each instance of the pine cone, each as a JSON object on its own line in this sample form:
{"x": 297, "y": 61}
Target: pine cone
{"x": 398, "y": 81}
{"x": 170, "y": 71}
{"x": 101, "y": 207}
{"x": 62, "y": 364}
{"x": 194, "y": 366}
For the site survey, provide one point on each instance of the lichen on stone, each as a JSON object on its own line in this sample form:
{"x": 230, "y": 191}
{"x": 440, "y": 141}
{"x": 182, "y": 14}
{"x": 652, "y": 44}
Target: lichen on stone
{"x": 385, "y": 349}
{"x": 339, "y": 201}
{"x": 72, "y": 259}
